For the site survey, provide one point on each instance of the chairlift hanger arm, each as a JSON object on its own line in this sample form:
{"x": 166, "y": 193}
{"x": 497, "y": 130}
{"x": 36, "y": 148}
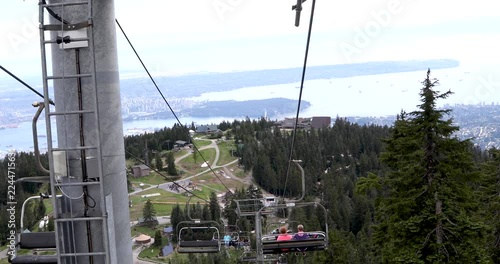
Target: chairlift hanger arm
{"x": 297, "y": 162}
{"x": 297, "y": 19}
{"x": 298, "y": 9}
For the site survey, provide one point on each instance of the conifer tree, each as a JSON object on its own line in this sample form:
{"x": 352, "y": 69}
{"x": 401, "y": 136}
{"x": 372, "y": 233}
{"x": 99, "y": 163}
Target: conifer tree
{"x": 29, "y": 216}
{"x": 489, "y": 192}
{"x": 158, "y": 161}
{"x": 428, "y": 213}
{"x": 35, "y": 210}
{"x": 176, "y": 217}
{"x": 158, "y": 239}
{"x": 205, "y": 214}
{"x": 195, "y": 156}
{"x": 149, "y": 212}
{"x": 50, "y": 225}
{"x": 171, "y": 164}
{"x": 41, "y": 210}
{"x": 215, "y": 210}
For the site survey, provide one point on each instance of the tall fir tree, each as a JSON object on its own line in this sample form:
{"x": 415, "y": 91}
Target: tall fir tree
{"x": 195, "y": 156}
{"x": 176, "y": 217}
{"x": 171, "y": 164}
{"x": 50, "y": 224}
{"x": 489, "y": 191}
{"x": 41, "y": 210}
{"x": 158, "y": 239}
{"x": 215, "y": 211}
{"x": 149, "y": 212}
{"x": 428, "y": 213}
{"x": 158, "y": 161}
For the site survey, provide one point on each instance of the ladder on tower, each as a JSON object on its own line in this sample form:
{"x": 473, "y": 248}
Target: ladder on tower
{"x": 76, "y": 169}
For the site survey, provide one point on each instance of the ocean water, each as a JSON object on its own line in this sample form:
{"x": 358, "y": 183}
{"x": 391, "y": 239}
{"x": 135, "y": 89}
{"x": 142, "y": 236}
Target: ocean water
{"x": 377, "y": 95}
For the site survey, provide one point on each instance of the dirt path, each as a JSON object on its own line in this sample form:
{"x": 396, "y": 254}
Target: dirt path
{"x": 246, "y": 180}
{"x": 135, "y": 254}
{"x": 138, "y": 190}
{"x": 213, "y": 144}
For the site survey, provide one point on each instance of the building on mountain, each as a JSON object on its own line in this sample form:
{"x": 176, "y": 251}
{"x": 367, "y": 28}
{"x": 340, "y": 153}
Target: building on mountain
{"x": 207, "y": 129}
{"x": 315, "y": 122}
{"x": 319, "y": 122}
{"x": 140, "y": 170}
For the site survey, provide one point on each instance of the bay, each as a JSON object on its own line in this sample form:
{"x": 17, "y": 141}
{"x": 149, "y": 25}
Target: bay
{"x": 368, "y": 95}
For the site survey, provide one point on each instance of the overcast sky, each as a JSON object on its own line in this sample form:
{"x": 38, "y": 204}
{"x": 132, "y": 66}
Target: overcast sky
{"x": 187, "y": 36}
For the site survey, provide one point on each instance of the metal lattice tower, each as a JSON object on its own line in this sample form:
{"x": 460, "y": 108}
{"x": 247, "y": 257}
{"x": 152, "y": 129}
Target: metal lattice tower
{"x": 87, "y": 163}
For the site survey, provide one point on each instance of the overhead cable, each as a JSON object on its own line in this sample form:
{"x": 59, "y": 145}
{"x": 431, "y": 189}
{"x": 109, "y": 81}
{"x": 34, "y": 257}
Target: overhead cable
{"x": 300, "y": 94}
{"x": 25, "y": 84}
{"x": 166, "y": 102}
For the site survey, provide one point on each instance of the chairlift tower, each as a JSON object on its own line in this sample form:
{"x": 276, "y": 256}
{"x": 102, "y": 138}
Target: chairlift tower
{"x": 86, "y": 155}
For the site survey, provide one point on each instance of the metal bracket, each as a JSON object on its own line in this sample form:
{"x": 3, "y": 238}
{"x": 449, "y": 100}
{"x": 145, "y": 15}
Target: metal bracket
{"x": 67, "y": 27}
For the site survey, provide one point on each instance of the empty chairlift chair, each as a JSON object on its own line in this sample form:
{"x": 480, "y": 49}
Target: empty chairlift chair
{"x": 38, "y": 241}
{"x": 199, "y": 237}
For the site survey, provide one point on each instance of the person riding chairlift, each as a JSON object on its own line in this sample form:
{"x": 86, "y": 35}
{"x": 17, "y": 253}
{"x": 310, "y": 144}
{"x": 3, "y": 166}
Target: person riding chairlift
{"x": 300, "y": 235}
{"x": 283, "y": 236}
{"x": 227, "y": 239}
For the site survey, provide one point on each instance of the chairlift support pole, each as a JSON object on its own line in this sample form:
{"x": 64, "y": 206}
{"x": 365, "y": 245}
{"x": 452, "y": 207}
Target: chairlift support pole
{"x": 87, "y": 157}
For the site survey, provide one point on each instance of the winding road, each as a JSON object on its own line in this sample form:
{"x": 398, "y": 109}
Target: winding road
{"x": 214, "y": 166}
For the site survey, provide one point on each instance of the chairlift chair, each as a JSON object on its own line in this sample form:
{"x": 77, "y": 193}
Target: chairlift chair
{"x": 316, "y": 240}
{"x": 244, "y": 236}
{"x": 234, "y": 232}
{"x": 38, "y": 241}
{"x": 203, "y": 245}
